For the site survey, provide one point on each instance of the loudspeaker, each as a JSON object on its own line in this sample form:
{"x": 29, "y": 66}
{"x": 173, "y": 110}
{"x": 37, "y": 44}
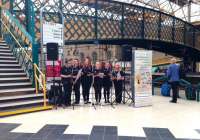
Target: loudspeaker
{"x": 126, "y": 53}
{"x": 52, "y": 51}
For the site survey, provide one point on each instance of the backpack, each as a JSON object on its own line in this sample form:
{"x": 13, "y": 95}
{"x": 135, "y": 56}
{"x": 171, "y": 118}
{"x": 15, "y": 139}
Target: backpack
{"x": 165, "y": 89}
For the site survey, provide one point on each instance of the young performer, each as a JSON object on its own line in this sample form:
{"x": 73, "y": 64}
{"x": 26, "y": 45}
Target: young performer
{"x": 107, "y": 83}
{"x": 98, "y": 81}
{"x": 66, "y": 75}
{"x": 86, "y": 80}
{"x": 118, "y": 78}
{"x": 76, "y": 79}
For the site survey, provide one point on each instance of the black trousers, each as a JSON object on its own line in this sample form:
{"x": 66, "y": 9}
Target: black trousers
{"x": 97, "y": 89}
{"x": 67, "y": 93}
{"x": 118, "y": 90}
{"x": 77, "y": 91}
{"x": 86, "y": 85}
{"x": 174, "y": 86}
{"x": 106, "y": 86}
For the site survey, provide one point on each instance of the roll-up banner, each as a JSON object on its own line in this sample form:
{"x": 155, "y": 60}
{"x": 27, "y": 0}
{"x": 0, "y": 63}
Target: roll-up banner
{"x": 142, "y": 78}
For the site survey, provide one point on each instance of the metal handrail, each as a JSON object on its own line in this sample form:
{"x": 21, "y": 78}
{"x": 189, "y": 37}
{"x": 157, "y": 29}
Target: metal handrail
{"x": 26, "y": 54}
{"x": 40, "y": 83}
{"x": 15, "y": 22}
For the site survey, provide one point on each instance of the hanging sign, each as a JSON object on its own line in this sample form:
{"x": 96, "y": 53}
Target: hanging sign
{"x": 52, "y": 33}
{"x": 142, "y": 78}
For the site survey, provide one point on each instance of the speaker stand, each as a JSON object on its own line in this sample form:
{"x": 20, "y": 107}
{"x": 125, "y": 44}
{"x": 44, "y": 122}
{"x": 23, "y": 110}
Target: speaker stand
{"x": 54, "y": 93}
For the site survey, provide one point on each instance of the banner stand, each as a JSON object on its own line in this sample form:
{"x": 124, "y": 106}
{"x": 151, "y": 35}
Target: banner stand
{"x": 141, "y": 78}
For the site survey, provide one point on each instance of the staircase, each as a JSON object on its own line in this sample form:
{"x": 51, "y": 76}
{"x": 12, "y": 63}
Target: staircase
{"x": 16, "y": 92}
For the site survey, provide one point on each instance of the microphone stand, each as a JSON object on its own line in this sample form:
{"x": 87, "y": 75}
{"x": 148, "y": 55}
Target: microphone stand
{"x": 54, "y": 88}
{"x": 111, "y": 93}
{"x": 92, "y": 86}
{"x": 73, "y": 98}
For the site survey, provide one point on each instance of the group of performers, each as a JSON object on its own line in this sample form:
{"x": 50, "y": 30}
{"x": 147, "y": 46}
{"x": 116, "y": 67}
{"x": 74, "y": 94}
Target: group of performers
{"x": 100, "y": 76}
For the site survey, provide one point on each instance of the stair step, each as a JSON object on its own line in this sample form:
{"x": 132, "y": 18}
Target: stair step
{"x": 7, "y": 58}
{"x": 11, "y": 70}
{"x": 15, "y": 79}
{"x": 5, "y": 50}
{"x": 24, "y": 110}
{"x": 13, "y": 75}
{"x": 20, "y": 98}
{"x": 3, "y": 44}
{"x": 16, "y": 93}
{"x": 19, "y": 91}
{"x": 10, "y": 66}
{"x": 6, "y": 54}
{"x": 8, "y": 62}
{"x": 15, "y": 105}
{"x": 15, "y": 85}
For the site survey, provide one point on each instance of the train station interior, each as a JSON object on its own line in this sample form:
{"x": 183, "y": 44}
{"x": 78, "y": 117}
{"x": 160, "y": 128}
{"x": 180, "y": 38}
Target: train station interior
{"x": 99, "y": 70}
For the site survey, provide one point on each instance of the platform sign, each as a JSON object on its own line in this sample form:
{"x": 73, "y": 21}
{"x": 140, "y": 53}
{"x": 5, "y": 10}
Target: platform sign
{"x": 142, "y": 77}
{"x": 52, "y": 33}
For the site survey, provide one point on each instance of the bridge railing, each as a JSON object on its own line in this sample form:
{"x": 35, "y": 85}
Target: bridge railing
{"x": 116, "y": 20}
{"x": 88, "y": 20}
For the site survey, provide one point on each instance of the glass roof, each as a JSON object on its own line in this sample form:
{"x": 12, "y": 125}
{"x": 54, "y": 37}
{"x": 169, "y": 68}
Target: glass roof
{"x": 179, "y": 8}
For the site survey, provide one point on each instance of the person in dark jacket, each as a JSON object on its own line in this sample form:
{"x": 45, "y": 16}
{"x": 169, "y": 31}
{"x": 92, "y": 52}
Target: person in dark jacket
{"x": 76, "y": 72}
{"x": 86, "y": 79}
{"x": 67, "y": 81}
{"x": 118, "y": 78}
{"x": 107, "y": 82}
{"x": 173, "y": 74}
{"x": 98, "y": 81}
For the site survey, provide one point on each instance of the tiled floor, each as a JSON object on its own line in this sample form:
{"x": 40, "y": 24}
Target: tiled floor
{"x": 56, "y": 132}
{"x": 162, "y": 121}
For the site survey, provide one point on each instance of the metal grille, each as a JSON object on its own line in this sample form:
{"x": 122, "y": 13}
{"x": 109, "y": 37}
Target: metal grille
{"x": 109, "y": 20}
{"x": 133, "y": 17}
{"x": 50, "y": 14}
{"x": 189, "y": 35}
{"x": 79, "y": 21}
{"x": 166, "y": 26}
{"x": 151, "y": 22}
{"x": 19, "y": 10}
{"x": 179, "y": 31}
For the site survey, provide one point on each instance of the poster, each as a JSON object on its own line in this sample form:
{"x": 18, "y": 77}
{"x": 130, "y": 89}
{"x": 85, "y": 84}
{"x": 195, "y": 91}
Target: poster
{"x": 142, "y": 78}
{"x": 52, "y": 32}
{"x": 53, "y": 71}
